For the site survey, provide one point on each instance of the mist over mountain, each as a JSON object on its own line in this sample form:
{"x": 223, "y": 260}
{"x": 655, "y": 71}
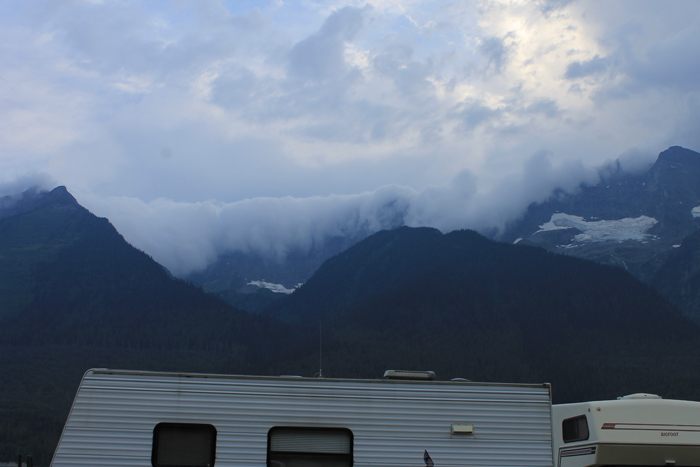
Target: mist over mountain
{"x": 189, "y": 237}
{"x": 629, "y": 214}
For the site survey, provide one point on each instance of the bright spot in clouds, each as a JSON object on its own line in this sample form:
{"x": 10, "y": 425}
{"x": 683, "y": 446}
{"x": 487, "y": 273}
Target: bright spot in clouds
{"x": 200, "y": 127}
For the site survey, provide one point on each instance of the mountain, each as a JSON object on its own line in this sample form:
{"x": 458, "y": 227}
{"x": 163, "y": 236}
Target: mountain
{"x": 634, "y": 221}
{"x": 466, "y": 306}
{"x": 678, "y": 274}
{"x": 74, "y": 295}
{"x": 631, "y": 220}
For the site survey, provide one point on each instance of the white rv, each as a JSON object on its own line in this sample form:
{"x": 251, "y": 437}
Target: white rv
{"x": 133, "y": 418}
{"x": 635, "y": 430}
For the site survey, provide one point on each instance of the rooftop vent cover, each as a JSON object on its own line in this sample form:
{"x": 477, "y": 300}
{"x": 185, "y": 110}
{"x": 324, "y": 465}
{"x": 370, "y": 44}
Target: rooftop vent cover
{"x": 406, "y": 374}
{"x": 639, "y": 395}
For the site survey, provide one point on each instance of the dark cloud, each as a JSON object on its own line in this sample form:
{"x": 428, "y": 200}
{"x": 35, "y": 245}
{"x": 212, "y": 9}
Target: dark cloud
{"x": 582, "y": 69}
{"x": 495, "y": 52}
{"x": 409, "y": 76}
{"x": 321, "y": 56}
{"x": 237, "y": 88}
{"x": 546, "y": 107}
{"x": 548, "y": 7}
{"x": 673, "y": 63}
{"x": 472, "y": 114}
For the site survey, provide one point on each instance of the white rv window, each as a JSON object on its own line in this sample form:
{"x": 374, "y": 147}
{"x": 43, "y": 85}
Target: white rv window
{"x": 183, "y": 445}
{"x": 575, "y": 429}
{"x": 307, "y": 447}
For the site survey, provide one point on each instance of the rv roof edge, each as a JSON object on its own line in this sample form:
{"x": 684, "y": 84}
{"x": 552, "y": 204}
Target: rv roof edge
{"x": 408, "y": 374}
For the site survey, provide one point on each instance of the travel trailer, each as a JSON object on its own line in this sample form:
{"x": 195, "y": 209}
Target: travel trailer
{"x": 635, "y": 430}
{"x": 134, "y": 418}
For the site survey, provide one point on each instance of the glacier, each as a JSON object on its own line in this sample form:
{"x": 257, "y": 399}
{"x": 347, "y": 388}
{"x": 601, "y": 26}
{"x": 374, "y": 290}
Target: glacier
{"x": 603, "y": 230}
{"x": 277, "y": 288}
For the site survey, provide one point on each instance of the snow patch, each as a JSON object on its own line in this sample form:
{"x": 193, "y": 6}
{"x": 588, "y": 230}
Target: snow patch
{"x": 602, "y": 231}
{"x": 676, "y": 246}
{"x": 517, "y": 240}
{"x": 695, "y": 212}
{"x": 277, "y": 288}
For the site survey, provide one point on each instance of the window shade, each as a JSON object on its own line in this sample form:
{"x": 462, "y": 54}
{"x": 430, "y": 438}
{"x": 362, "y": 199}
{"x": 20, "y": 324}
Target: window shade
{"x": 183, "y": 445}
{"x": 330, "y": 441}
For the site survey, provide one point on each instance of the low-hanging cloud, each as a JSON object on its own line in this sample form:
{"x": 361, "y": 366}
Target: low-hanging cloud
{"x": 37, "y": 180}
{"x": 186, "y": 237}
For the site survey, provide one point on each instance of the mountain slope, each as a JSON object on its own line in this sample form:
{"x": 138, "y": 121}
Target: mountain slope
{"x": 79, "y": 277}
{"x": 678, "y": 274}
{"x": 34, "y": 228}
{"x": 391, "y": 259}
{"x": 465, "y": 306}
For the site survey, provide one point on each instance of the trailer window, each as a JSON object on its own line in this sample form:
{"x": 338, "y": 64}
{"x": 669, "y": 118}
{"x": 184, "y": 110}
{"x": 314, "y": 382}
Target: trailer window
{"x": 306, "y": 447}
{"x": 575, "y": 429}
{"x": 183, "y": 445}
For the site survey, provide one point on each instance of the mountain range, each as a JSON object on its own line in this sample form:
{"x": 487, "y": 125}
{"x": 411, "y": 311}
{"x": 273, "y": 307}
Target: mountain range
{"x": 77, "y": 295}
{"x": 645, "y": 222}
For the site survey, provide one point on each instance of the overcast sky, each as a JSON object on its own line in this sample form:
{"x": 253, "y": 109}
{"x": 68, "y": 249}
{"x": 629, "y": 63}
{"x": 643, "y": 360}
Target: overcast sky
{"x": 199, "y": 127}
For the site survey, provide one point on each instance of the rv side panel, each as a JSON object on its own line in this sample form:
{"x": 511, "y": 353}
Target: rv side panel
{"x": 393, "y": 423}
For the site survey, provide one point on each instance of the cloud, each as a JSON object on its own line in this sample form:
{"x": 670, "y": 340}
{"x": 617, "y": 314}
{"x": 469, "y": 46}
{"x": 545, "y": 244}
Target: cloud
{"x": 546, "y": 107}
{"x": 495, "y": 52}
{"x": 428, "y": 113}
{"x": 582, "y": 69}
{"x": 186, "y": 237}
{"x": 37, "y": 180}
{"x": 321, "y": 56}
{"x": 474, "y": 113}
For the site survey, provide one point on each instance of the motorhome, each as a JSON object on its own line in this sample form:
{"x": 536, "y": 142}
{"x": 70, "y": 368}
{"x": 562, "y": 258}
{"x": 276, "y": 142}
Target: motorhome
{"x": 635, "y": 430}
{"x": 135, "y": 418}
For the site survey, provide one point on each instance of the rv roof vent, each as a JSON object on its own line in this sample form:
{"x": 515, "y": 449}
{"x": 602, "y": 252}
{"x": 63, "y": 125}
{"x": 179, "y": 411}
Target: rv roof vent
{"x": 639, "y": 395}
{"x": 406, "y": 374}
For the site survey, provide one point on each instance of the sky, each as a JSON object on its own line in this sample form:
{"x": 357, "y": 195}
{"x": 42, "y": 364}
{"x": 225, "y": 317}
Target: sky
{"x": 204, "y": 127}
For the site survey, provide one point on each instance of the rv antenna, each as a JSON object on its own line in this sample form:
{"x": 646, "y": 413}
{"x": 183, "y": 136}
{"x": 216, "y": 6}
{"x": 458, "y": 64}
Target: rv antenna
{"x": 320, "y": 351}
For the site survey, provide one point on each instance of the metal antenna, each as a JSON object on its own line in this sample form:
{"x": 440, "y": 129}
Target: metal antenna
{"x": 320, "y": 351}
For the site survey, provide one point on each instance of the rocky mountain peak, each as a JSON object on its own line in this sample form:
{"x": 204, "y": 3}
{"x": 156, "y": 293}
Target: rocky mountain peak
{"x": 33, "y": 199}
